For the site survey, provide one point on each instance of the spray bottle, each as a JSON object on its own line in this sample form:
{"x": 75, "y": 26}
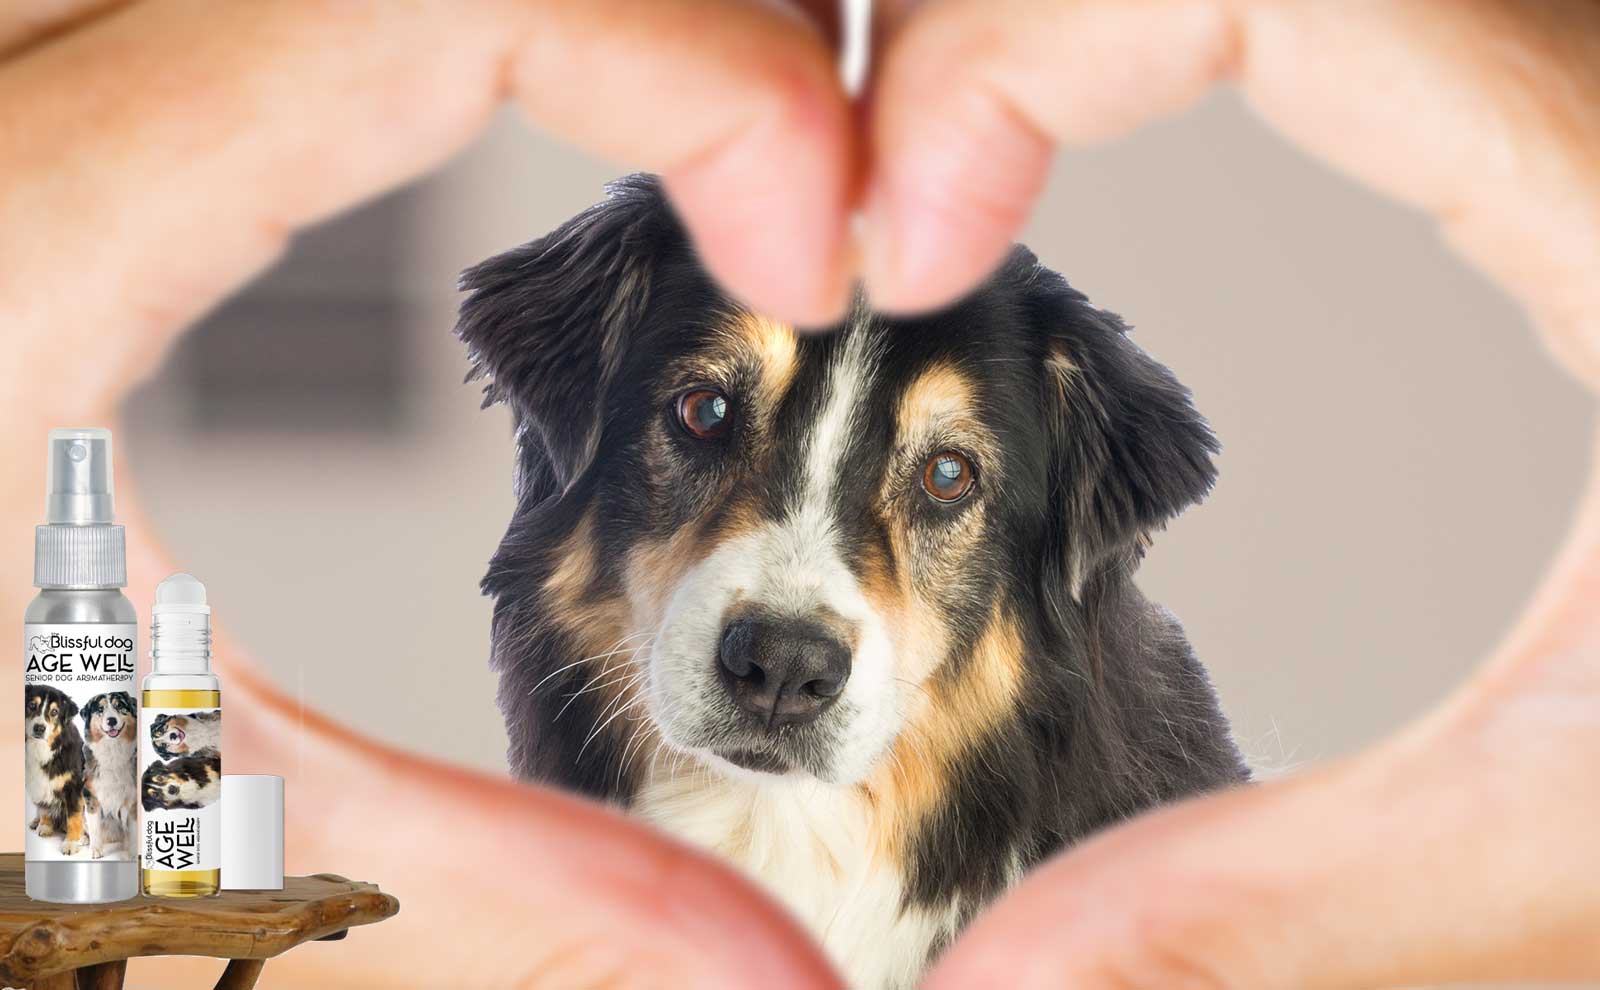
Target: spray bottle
{"x": 79, "y": 718}
{"x": 180, "y": 748}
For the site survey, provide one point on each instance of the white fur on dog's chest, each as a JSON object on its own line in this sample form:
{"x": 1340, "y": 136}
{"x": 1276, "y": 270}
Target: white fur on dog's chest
{"x": 40, "y": 752}
{"x": 116, "y": 770}
{"x": 811, "y": 847}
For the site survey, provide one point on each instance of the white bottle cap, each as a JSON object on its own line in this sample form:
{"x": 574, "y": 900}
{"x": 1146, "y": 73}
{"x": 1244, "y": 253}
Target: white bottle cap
{"x": 252, "y": 831}
{"x": 180, "y": 627}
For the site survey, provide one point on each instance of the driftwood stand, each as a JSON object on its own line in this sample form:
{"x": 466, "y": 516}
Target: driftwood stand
{"x": 87, "y": 947}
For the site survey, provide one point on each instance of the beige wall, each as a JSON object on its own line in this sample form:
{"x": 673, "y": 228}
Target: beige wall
{"x": 1400, "y": 457}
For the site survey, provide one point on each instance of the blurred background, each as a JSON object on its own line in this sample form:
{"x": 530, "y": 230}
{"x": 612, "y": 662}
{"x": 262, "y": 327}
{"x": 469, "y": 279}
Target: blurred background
{"x": 1400, "y": 457}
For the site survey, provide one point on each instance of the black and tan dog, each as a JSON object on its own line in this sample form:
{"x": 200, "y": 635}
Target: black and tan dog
{"x": 855, "y": 609}
{"x": 186, "y": 782}
{"x": 54, "y": 766}
{"x": 111, "y": 770}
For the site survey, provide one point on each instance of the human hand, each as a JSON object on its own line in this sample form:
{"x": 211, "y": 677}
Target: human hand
{"x": 153, "y": 156}
{"x": 1456, "y": 851}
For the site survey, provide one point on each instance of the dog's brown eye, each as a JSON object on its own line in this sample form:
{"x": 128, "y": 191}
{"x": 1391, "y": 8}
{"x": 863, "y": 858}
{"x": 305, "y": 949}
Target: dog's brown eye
{"x": 704, "y": 413}
{"x": 947, "y": 476}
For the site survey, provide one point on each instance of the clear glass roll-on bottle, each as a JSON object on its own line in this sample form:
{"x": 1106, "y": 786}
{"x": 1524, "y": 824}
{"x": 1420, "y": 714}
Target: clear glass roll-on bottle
{"x": 80, "y": 662}
{"x": 180, "y": 748}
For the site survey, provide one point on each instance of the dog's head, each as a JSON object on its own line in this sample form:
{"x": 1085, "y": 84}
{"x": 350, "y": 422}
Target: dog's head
{"x": 169, "y": 735}
{"x": 110, "y": 716}
{"x": 777, "y": 551}
{"x": 159, "y": 787}
{"x": 180, "y": 783}
{"x": 46, "y": 713}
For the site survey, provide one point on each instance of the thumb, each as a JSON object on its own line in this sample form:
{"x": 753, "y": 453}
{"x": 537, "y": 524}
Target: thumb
{"x": 973, "y": 95}
{"x": 1435, "y": 864}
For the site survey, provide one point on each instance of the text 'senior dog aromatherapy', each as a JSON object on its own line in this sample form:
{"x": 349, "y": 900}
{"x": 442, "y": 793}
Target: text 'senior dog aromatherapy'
{"x": 855, "y": 608}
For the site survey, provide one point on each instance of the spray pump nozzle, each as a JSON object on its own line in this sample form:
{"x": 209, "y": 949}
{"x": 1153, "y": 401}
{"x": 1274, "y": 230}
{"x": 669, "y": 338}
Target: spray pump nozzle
{"x": 80, "y": 488}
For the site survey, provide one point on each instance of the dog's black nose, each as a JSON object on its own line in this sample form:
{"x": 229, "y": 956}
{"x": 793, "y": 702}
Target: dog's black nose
{"x": 111, "y": 721}
{"x": 783, "y": 671}
{"x": 38, "y": 731}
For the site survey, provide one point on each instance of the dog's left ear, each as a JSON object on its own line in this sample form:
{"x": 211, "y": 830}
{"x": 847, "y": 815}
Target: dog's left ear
{"x": 69, "y": 709}
{"x": 548, "y": 322}
{"x": 1130, "y": 451}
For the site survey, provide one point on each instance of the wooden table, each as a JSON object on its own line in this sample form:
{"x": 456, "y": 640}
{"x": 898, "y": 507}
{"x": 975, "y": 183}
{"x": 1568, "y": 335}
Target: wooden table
{"x": 87, "y": 947}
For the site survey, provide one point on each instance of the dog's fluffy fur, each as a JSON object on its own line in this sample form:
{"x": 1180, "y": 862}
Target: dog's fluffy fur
{"x": 111, "y": 794}
{"x": 186, "y": 782}
{"x": 54, "y": 765}
{"x": 1009, "y": 689}
{"x": 194, "y": 734}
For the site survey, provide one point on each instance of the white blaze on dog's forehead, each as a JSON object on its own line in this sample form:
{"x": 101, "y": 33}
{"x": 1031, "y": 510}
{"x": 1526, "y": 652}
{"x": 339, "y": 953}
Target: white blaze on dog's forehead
{"x": 844, "y": 393}
{"x": 801, "y": 564}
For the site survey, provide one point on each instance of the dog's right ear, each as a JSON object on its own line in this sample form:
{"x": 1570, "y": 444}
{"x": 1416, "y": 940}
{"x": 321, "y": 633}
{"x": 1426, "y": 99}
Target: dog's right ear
{"x": 1130, "y": 451}
{"x": 547, "y": 323}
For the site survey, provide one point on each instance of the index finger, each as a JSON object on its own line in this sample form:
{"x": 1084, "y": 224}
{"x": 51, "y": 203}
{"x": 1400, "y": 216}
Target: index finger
{"x": 167, "y": 152}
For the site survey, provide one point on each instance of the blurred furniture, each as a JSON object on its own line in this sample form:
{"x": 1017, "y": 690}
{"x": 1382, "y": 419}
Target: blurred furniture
{"x": 87, "y": 946}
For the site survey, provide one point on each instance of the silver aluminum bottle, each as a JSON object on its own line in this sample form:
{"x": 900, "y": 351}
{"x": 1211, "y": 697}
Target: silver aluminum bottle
{"x": 80, "y": 569}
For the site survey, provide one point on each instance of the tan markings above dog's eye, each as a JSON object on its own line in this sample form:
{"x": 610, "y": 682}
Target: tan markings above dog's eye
{"x": 947, "y": 476}
{"x": 705, "y": 413}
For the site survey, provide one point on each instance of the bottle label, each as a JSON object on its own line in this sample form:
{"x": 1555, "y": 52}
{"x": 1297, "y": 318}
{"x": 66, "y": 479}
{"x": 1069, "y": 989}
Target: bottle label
{"x": 80, "y": 741}
{"x": 180, "y": 750}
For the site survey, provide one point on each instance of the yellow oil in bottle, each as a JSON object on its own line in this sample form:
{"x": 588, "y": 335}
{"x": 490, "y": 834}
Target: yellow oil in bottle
{"x": 180, "y": 883}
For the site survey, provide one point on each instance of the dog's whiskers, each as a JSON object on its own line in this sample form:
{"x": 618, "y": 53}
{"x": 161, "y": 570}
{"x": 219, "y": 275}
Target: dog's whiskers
{"x": 639, "y": 735}
{"x": 611, "y": 651}
{"x": 677, "y": 761}
{"x": 627, "y": 678}
{"x": 625, "y": 693}
{"x": 613, "y": 674}
{"x": 596, "y": 730}
{"x": 623, "y": 676}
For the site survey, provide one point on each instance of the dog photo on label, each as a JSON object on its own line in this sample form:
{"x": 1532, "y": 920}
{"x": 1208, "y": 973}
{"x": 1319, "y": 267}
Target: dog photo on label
{"x": 186, "y": 782}
{"x": 54, "y": 766}
{"x": 184, "y": 735}
{"x": 111, "y": 791}
{"x": 852, "y": 608}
